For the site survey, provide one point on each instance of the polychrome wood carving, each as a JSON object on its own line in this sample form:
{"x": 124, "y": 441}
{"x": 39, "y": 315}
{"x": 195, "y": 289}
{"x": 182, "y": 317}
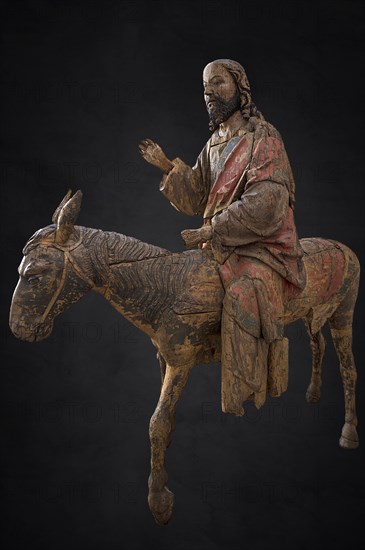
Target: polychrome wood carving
{"x": 227, "y": 298}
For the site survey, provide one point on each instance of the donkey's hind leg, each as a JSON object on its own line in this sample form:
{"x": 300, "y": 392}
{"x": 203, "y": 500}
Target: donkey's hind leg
{"x": 318, "y": 346}
{"x": 341, "y": 330}
{"x": 342, "y": 339}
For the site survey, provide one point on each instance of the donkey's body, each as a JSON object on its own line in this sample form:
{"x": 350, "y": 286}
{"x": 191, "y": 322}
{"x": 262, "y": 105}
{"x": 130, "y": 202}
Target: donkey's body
{"x": 177, "y": 300}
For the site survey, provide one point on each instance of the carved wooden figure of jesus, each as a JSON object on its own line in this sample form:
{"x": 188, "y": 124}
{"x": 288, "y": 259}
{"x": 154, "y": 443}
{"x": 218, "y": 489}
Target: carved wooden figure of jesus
{"x": 227, "y": 298}
{"x": 243, "y": 186}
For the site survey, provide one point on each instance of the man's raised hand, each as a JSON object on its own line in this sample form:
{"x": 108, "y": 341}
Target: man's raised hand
{"x": 152, "y": 153}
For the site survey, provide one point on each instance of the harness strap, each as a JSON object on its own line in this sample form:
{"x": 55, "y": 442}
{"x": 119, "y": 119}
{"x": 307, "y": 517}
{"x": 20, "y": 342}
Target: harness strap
{"x": 67, "y": 259}
{"x": 78, "y": 270}
{"x": 57, "y": 292}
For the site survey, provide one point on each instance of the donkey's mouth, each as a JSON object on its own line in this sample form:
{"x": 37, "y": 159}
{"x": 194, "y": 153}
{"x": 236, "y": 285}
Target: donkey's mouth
{"x": 35, "y": 333}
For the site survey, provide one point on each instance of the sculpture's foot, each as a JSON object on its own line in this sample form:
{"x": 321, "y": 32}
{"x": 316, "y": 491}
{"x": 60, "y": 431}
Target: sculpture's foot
{"x": 349, "y": 438}
{"x": 161, "y": 505}
{"x": 313, "y": 394}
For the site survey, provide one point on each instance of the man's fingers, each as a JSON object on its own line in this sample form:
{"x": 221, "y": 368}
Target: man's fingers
{"x": 152, "y": 153}
{"x": 148, "y": 142}
{"x": 148, "y": 146}
{"x": 145, "y": 142}
{"x": 191, "y": 237}
{"x": 144, "y": 148}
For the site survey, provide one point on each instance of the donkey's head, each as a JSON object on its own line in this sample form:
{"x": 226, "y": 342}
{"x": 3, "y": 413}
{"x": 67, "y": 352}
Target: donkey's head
{"x": 49, "y": 278}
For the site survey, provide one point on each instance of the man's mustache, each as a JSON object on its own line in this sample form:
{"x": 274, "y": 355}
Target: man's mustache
{"x": 217, "y": 99}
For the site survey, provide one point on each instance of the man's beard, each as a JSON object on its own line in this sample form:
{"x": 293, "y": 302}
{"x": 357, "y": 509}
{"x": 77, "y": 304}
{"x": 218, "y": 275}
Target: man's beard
{"x": 222, "y": 110}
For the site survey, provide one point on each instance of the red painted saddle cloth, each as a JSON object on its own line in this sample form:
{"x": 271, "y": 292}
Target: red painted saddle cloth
{"x": 256, "y": 298}
{"x": 261, "y": 292}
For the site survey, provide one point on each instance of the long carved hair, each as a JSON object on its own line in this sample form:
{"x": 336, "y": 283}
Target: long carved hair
{"x": 248, "y": 108}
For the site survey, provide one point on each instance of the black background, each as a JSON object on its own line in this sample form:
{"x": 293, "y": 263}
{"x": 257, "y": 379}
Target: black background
{"x": 82, "y": 84}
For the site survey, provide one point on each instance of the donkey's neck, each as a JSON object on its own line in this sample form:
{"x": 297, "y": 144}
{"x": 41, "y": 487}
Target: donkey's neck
{"x": 129, "y": 274}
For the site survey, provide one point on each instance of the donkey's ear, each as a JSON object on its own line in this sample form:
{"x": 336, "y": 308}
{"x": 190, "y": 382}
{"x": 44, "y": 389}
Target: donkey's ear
{"x": 67, "y": 217}
{"x": 60, "y": 206}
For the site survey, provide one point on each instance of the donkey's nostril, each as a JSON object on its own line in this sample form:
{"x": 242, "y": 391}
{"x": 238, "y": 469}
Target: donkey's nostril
{"x": 33, "y": 333}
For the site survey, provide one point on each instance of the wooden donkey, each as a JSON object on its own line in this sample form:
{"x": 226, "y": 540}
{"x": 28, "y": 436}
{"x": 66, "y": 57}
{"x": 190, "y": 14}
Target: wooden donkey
{"x": 176, "y": 298}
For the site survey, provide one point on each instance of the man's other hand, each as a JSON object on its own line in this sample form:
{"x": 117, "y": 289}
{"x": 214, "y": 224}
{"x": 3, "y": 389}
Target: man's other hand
{"x": 194, "y": 237}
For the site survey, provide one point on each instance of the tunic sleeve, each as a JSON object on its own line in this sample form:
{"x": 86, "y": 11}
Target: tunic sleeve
{"x": 187, "y": 188}
{"x": 260, "y": 212}
{"x": 269, "y": 191}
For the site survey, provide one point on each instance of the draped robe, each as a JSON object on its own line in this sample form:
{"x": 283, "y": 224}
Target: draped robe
{"x": 243, "y": 186}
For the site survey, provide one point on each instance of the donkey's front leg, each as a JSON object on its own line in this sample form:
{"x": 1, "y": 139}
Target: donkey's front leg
{"x": 160, "y": 499}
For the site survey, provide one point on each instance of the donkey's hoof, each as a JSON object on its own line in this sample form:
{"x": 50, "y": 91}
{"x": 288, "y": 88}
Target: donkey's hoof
{"x": 161, "y": 505}
{"x": 349, "y": 438}
{"x": 313, "y": 394}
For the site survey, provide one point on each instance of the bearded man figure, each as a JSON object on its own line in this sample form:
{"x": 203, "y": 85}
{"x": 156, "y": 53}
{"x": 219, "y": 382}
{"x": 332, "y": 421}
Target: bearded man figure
{"x": 243, "y": 185}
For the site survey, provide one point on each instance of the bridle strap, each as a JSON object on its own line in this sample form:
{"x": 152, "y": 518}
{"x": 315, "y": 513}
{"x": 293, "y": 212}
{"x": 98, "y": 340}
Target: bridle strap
{"x": 57, "y": 291}
{"x": 78, "y": 270}
{"x": 67, "y": 259}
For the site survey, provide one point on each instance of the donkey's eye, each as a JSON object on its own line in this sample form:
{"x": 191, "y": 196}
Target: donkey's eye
{"x": 34, "y": 279}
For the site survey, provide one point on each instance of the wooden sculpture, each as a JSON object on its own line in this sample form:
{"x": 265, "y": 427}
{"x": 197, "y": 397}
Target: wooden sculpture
{"x": 227, "y": 300}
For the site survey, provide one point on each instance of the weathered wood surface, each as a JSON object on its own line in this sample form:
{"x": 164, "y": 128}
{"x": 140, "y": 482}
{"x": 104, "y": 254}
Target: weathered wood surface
{"x": 177, "y": 300}
{"x": 228, "y": 300}
{"x": 243, "y": 186}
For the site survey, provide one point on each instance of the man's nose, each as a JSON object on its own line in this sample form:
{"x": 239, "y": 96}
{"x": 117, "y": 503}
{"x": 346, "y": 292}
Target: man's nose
{"x": 208, "y": 91}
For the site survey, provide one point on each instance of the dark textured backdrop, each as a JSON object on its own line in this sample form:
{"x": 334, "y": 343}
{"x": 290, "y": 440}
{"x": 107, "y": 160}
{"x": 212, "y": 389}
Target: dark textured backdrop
{"x": 82, "y": 83}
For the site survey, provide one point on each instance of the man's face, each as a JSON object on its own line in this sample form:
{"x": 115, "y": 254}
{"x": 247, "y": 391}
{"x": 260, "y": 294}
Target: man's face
{"x": 220, "y": 94}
